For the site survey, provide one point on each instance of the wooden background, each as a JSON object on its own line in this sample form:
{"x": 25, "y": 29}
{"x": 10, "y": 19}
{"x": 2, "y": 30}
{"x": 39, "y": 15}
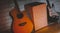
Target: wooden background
{"x": 5, "y": 19}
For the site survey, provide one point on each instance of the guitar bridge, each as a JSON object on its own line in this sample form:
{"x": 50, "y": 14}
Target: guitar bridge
{"x": 22, "y": 24}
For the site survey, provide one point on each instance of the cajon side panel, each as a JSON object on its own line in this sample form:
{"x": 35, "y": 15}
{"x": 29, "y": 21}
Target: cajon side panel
{"x": 40, "y": 16}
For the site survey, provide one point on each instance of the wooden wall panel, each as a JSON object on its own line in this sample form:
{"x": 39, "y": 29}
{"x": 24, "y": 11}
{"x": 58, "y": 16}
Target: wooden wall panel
{"x": 5, "y": 19}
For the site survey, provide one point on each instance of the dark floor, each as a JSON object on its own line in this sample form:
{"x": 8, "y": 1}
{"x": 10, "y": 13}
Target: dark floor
{"x": 54, "y": 28}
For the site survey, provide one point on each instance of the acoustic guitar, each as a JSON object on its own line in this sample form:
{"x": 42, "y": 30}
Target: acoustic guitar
{"x": 52, "y": 14}
{"x": 21, "y": 23}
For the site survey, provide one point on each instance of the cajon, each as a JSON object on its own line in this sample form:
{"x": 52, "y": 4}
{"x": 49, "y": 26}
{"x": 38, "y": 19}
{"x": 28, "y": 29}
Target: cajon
{"x": 37, "y": 12}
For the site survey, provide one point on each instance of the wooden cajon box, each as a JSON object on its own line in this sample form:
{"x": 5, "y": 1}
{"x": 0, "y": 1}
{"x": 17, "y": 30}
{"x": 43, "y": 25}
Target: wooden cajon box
{"x": 37, "y": 12}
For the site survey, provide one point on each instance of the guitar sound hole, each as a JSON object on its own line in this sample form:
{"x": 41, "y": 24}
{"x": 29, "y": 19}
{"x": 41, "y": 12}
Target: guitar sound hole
{"x": 22, "y": 24}
{"x": 20, "y": 15}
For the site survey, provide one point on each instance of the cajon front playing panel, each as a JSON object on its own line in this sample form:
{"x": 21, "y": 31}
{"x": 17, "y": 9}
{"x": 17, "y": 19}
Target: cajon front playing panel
{"x": 38, "y": 14}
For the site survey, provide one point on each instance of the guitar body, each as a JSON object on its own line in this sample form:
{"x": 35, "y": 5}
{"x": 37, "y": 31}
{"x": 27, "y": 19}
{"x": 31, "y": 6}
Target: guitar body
{"x": 21, "y": 23}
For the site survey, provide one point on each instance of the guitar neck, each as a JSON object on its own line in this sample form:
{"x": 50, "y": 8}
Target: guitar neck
{"x": 48, "y": 3}
{"x": 17, "y": 6}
